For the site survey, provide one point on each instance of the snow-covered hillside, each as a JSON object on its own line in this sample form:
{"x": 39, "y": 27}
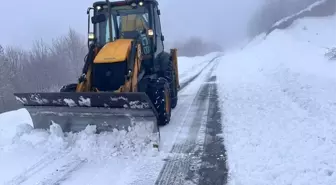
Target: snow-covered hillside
{"x": 279, "y": 107}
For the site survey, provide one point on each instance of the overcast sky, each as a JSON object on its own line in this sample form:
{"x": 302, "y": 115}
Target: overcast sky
{"x": 220, "y": 20}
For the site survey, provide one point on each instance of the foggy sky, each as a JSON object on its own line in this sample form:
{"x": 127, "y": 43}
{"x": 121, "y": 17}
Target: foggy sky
{"x": 223, "y": 21}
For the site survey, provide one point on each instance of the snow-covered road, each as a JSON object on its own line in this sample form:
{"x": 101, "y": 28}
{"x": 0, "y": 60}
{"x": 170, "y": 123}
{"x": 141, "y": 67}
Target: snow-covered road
{"x": 39, "y": 157}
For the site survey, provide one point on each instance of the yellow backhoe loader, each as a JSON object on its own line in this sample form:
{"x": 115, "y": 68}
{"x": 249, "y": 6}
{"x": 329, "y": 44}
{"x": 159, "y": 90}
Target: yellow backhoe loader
{"x": 128, "y": 79}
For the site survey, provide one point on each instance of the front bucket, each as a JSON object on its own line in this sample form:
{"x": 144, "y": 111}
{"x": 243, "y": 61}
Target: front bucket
{"x": 107, "y": 111}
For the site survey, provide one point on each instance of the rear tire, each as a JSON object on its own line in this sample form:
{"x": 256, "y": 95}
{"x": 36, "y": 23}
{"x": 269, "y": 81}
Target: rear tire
{"x": 159, "y": 94}
{"x": 171, "y": 76}
{"x": 174, "y": 92}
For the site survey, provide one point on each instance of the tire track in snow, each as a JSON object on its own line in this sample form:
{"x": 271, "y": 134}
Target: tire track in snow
{"x": 196, "y": 66}
{"x": 43, "y": 163}
{"x": 192, "y": 161}
{"x": 61, "y": 174}
{"x": 192, "y": 78}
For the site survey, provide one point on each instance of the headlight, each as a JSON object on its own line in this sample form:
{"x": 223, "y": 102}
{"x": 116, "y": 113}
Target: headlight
{"x": 150, "y": 32}
{"x": 91, "y": 36}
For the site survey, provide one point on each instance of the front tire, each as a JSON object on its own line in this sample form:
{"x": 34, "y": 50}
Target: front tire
{"x": 159, "y": 94}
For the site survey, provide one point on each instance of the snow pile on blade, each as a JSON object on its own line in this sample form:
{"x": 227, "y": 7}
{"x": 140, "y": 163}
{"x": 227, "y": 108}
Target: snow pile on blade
{"x": 85, "y": 144}
{"x": 27, "y": 153}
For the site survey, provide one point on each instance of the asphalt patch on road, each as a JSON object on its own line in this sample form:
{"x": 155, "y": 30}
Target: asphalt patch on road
{"x": 193, "y": 162}
{"x": 181, "y": 167}
{"x": 213, "y": 170}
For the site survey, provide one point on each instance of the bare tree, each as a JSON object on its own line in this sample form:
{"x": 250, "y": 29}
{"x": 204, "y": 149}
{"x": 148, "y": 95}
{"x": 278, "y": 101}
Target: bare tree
{"x": 195, "y": 46}
{"x": 43, "y": 68}
{"x": 7, "y": 77}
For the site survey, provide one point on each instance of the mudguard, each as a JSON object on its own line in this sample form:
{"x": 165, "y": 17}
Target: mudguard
{"x": 161, "y": 62}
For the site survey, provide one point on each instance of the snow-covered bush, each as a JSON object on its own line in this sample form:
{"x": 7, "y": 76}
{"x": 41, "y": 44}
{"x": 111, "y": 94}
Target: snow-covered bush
{"x": 331, "y": 53}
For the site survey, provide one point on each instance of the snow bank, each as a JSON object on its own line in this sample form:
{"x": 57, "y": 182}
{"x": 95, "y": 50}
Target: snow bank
{"x": 10, "y": 124}
{"x": 279, "y": 107}
{"x": 303, "y": 46}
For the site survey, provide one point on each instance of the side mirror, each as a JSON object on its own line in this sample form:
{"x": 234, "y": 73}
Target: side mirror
{"x": 98, "y": 18}
{"x": 162, "y": 38}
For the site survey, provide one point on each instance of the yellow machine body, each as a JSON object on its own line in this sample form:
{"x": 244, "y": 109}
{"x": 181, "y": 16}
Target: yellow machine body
{"x": 112, "y": 52}
{"x": 115, "y": 52}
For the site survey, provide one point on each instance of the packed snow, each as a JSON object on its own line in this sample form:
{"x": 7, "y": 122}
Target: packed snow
{"x": 278, "y": 98}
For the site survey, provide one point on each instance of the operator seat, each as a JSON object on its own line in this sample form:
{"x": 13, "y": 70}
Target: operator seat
{"x": 131, "y": 26}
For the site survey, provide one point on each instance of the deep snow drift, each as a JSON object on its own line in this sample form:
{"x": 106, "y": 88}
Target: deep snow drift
{"x": 279, "y": 107}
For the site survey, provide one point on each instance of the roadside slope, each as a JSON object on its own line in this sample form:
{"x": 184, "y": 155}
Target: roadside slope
{"x": 278, "y": 97}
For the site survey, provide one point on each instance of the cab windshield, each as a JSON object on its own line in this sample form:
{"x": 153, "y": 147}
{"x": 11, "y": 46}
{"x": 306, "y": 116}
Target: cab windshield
{"x": 125, "y": 20}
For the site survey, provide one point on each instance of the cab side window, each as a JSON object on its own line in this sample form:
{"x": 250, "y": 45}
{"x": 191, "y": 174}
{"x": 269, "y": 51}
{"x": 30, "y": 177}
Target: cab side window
{"x": 158, "y": 34}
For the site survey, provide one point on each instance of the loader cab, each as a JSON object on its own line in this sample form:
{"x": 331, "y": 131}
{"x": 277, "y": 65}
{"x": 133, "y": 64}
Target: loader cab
{"x": 129, "y": 20}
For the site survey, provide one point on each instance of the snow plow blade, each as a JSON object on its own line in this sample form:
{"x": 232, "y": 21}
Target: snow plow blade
{"x": 107, "y": 111}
